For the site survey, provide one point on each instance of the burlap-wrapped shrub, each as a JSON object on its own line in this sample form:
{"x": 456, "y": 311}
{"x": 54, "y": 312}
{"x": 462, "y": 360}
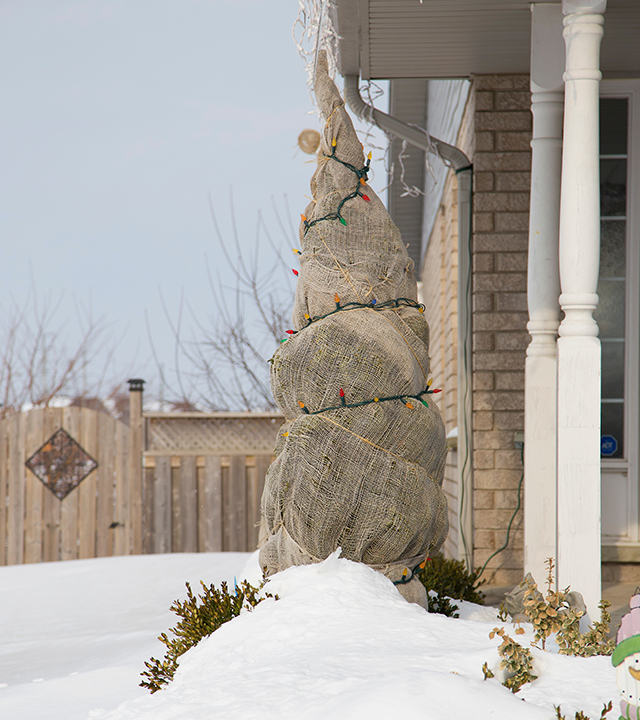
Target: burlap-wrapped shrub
{"x": 365, "y": 478}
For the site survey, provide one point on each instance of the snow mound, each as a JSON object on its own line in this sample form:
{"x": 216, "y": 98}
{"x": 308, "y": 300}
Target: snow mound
{"x": 341, "y": 643}
{"x": 75, "y": 634}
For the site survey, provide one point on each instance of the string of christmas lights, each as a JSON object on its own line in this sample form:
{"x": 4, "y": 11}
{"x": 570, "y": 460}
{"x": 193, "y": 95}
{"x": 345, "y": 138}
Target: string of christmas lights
{"x": 362, "y": 176}
{"x": 373, "y": 305}
{"x": 344, "y": 404}
{"x": 406, "y": 577}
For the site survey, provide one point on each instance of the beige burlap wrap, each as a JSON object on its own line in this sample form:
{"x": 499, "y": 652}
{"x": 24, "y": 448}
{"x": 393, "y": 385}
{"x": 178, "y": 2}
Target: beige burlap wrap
{"x": 366, "y": 479}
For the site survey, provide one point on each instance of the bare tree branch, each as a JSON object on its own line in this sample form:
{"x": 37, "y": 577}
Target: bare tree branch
{"x": 36, "y": 367}
{"x": 223, "y": 365}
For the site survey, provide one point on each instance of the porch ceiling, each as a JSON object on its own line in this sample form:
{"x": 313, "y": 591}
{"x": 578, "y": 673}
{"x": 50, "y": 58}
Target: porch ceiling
{"x": 457, "y": 38}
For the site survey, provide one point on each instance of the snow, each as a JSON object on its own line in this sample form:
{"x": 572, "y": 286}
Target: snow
{"x": 339, "y": 643}
{"x": 74, "y": 635}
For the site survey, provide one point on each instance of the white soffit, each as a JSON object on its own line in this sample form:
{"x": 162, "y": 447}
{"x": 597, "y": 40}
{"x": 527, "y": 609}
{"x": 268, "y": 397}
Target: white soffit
{"x": 459, "y": 38}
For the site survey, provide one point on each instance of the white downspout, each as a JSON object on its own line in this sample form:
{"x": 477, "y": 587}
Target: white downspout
{"x": 459, "y": 162}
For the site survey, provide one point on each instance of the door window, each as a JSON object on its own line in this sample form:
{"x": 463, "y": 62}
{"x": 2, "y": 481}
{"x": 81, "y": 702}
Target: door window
{"x": 611, "y": 311}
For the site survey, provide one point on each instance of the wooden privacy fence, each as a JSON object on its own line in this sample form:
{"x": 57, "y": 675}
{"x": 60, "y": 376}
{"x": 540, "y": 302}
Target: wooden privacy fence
{"x": 93, "y": 518}
{"x": 78, "y": 483}
{"x": 203, "y": 479}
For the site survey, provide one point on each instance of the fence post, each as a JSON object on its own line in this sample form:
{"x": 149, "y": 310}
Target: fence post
{"x": 136, "y": 432}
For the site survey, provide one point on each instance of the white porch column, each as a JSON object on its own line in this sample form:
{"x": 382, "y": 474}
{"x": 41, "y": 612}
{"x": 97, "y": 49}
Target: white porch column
{"x": 578, "y": 346}
{"x": 543, "y": 289}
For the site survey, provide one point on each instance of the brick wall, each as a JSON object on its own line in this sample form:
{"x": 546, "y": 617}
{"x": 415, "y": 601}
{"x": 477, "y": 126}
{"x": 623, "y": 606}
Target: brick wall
{"x": 495, "y": 133}
{"x": 502, "y": 162}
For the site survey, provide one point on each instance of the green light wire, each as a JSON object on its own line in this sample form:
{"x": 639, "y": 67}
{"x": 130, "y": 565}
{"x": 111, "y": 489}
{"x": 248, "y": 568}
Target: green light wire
{"x": 345, "y": 404}
{"x": 374, "y": 305}
{"x": 513, "y": 517}
{"x": 362, "y": 174}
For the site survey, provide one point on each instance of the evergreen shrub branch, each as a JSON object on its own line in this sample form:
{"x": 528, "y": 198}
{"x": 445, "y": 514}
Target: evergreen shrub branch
{"x": 449, "y": 579}
{"x": 200, "y": 616}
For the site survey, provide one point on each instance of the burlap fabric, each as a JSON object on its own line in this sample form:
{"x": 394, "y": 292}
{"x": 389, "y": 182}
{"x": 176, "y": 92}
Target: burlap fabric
{"x": 366, "y": 479}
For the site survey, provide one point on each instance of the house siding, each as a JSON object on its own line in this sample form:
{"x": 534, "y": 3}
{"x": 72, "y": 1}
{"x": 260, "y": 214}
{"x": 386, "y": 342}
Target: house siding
{"x": 439, "y": 292}
{"x": 495, "y": 133}
{"x": 446, "y": 103}
{"x": 440, "y": 297}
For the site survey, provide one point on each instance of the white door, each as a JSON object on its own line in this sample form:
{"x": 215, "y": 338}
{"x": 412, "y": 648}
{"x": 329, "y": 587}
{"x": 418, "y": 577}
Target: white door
{"x": 618, "y": 316}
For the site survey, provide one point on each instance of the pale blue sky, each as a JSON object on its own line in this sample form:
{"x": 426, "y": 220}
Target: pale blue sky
{"x": 119, "y": 118}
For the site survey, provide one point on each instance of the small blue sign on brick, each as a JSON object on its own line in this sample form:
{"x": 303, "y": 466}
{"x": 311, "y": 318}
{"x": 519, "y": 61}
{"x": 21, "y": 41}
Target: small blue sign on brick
{"x": 608, "y": 445}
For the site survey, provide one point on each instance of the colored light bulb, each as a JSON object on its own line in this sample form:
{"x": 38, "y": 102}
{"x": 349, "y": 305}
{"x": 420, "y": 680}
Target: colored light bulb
{"x": 290, "y": 332}
{"x": 295, "y": 272}
{"x": 300, "y": 403}
{"x": 366, "y": 198}
{"x": 334, "y": 142}
{"x": 341, "y": 392}
{"x": 343, "y": 221}
{"x": 336, "y": 298}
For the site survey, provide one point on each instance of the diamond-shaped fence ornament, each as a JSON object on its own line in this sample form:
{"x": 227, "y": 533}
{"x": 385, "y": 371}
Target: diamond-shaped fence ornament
{"x": 61, "y": 464}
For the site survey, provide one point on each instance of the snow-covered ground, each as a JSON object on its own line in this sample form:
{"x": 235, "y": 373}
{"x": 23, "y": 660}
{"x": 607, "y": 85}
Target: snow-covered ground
{"x": 340, "y": 643}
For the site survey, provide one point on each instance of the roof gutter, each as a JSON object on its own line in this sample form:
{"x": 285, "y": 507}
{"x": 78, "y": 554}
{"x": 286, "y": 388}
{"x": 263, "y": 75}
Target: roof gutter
{"x": 459, "y": 162}
{"x": 414, "y": 136}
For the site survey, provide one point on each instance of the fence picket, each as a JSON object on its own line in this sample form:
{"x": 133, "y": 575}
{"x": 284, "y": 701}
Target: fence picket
{"x": 176, "y": 514}
{"x": 52, "y": 421}
{"x": 188, "y": 505}
{"x": 237, "y": 504}
{"x": 210, "y": 506}
{"x": 105, "y": 485}
{"x": 148, "y": 510}
{"x": 162, "y": 505}
{"x": 69, "y": 506}
{"x": 4, "y": 491}
{"x": 87, "y": 488}
{"x": 262, "y": 465}
{"x": 15, "y": 521}
{"x": 33, "y": 491}
{"x": 121, "y": 524}
{"x": 135, "y": 481}
{"x": 253, "y": 504}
